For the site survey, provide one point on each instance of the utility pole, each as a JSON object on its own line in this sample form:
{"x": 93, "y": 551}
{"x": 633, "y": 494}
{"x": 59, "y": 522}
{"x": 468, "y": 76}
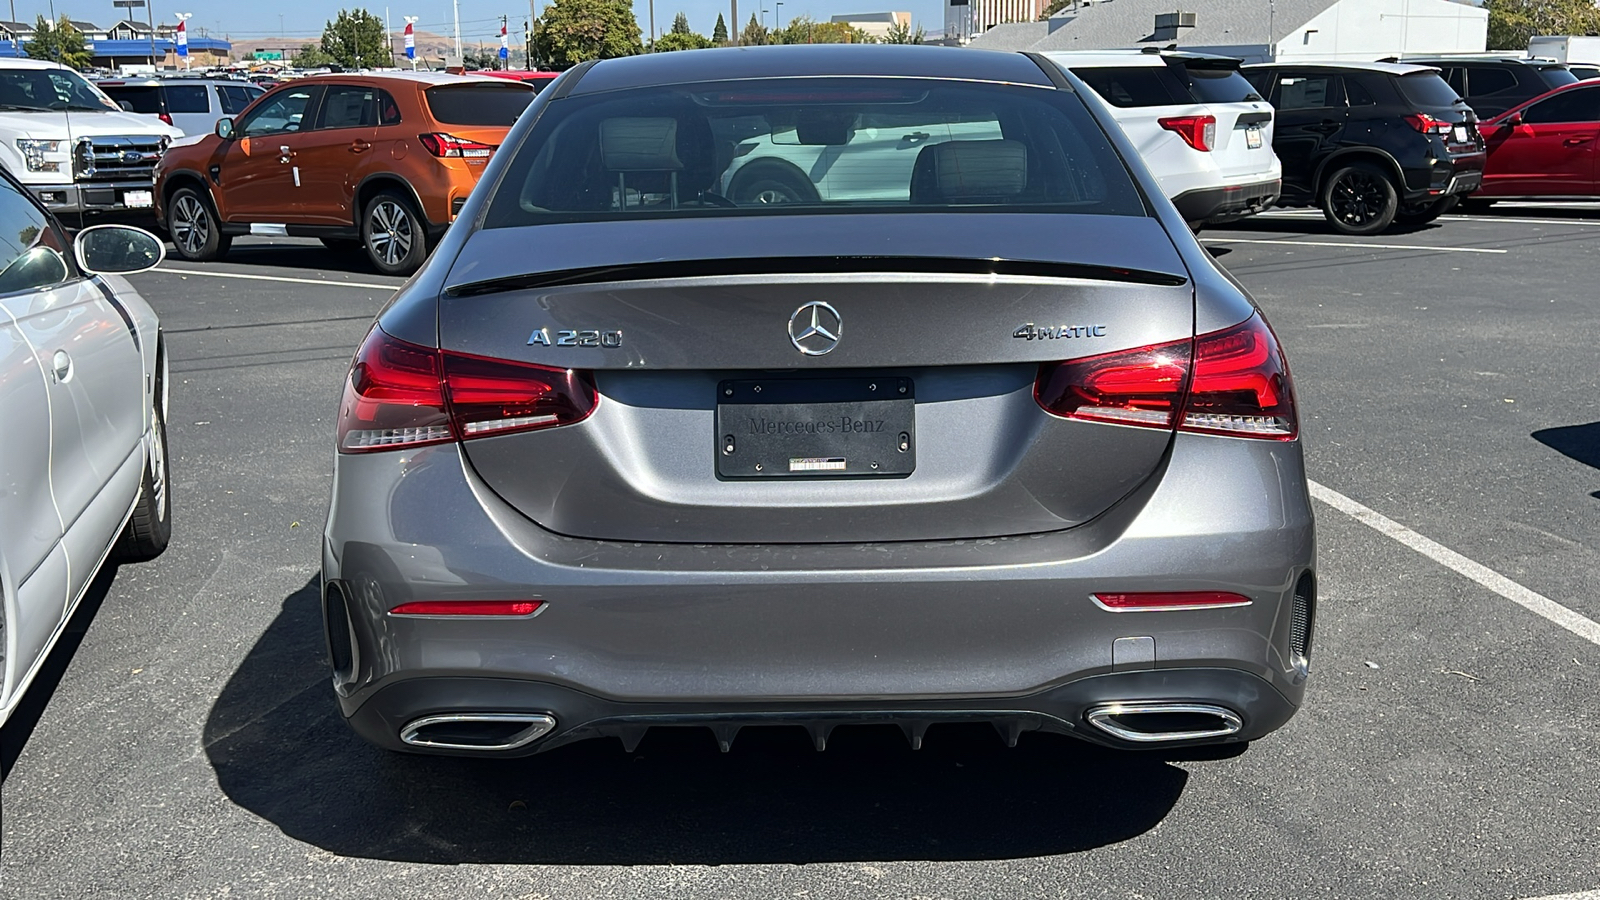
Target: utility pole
{"x": 734, "y": 26}
{"x": 457, "y": 5}
{"x": 652, "y": 24}
{"x": 388, "y": 33}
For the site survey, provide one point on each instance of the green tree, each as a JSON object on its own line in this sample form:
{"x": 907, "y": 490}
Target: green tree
{"x": 719, "y": 34}
{"x": 1055, "y": 6}
{"x": 754, "y": 35}
{"x": 680, "y": 24}
{"x": 674, "y": 40}
{"x": 804, "y": 30}
{"x": 574, "y": 31}
{"x": 356, "y": 40}
{"x": 311, "y": 57}
{"x": 60, "y": 43}
{"x": 1512, "y": 22}
{"x": 900, "y": 33}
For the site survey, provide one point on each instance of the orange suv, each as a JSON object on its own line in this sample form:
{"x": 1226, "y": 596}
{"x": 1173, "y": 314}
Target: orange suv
{"x": 383, "y": 162}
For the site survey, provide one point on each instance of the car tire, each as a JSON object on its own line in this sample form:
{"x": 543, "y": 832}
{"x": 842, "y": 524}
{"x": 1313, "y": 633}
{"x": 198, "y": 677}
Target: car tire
{"x": 341, "y": 245}
{"x": 1359, "y": 199}
{"x": 769, "y": 182}
{"x": 393, "y": 234}
{"x": 149, "y": 529}
{"x": 194, "y": 227}
{"x": 1424, "y": 213}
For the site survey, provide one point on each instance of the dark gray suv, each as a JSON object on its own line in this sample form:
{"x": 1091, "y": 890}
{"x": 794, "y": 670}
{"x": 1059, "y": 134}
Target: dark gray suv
{"x": 977, "y": 433}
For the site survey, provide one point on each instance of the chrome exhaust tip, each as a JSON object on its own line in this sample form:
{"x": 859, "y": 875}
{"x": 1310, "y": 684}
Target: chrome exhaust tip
{"x": 1146, "y": 722}
{"x": 477, "y": 731}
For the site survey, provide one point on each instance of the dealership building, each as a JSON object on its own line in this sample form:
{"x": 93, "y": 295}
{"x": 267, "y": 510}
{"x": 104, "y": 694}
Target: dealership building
{"x": 126, "y": 43}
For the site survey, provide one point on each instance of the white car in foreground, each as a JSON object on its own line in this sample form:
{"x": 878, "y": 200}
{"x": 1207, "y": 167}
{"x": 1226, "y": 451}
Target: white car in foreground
{"x": 1201, "y": 128}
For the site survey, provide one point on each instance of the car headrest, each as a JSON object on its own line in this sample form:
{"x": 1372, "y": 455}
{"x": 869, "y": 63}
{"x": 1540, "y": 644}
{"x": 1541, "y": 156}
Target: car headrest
{"x": 639, "y": 144}
{"x": 954, "y": 171}
{"x": 827, "y": 127}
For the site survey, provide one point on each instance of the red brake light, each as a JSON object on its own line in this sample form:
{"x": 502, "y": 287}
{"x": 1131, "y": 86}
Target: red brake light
{"x": 165, "y": 117}
{"x": 448, "y": 145}
{"x": 1232, "y": 382}
{"x": 467, "y": 608}
{"x": 1428, "y": 124}
{"x": 1169, "y": 600}
{"x": 1199, "y": 132}
{"x": 401, "y": 394}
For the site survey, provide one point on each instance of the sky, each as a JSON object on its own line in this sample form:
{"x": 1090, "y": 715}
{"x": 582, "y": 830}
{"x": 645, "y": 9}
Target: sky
{"x": 479, "y": 18}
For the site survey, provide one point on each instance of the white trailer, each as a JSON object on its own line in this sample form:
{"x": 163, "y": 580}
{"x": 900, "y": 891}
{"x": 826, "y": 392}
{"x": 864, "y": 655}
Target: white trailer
{"x": 1572, "y": 49}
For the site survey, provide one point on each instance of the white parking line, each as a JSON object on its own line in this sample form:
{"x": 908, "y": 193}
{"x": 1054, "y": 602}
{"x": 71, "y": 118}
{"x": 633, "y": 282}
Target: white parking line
{"x": 1350, "y": 245}
{"x": 1540, "y": 605}
{"x": 349, "y": 284}
{"x": 1581, "y": 895}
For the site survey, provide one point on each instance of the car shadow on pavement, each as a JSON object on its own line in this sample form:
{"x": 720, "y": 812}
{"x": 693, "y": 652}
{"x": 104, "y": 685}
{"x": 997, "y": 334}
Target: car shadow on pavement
{"x": 287, "y": 253}
{"x": 281, "y": 751}
{"x": 25, "y": 716}
{"x": 1580, "y": 442}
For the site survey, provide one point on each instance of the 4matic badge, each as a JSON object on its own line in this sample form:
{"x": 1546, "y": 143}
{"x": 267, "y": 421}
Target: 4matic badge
{"x": 1031, "y": 332}
{"x": 569, "y": 338}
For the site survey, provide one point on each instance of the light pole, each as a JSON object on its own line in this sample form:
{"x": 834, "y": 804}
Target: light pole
{"x": 777, "y": 15}
{"x": 457, "y": 5}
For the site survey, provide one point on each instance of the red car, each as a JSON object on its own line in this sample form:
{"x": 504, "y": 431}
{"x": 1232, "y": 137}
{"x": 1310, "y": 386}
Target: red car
{"x": 1546, "y": 147}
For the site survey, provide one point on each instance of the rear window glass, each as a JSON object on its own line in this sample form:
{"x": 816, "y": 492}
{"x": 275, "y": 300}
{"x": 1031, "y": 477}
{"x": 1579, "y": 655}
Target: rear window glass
{"x": 1135, "y": 86}
{"x": 1428, "y": 89}
{"x": 1483, "y": 82}
{"x": 1556, "y": 76}
{"x": 812, "y": 146}
{"x": 187, "y": 98}
{"x": 135, "y": 99}
{"x": 479, "y": 104}
{"x": 1219, "y": 85}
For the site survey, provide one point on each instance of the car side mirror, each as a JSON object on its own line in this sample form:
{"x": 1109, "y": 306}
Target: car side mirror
{"x": 117, "y": 250}
{"x": 225, "y": 128}
{"x": 1512, "y": 121}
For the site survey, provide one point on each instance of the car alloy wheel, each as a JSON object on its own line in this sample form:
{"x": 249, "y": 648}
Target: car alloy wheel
{"x": 1360, "y": 199}
{"x": 191, "y": 225}
{"x": 390, "y": 232}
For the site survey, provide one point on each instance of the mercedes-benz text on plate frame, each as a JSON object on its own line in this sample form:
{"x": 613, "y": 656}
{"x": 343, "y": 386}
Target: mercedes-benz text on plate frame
{"x": 815, "y": 328}
{"x": 948, "y": 522}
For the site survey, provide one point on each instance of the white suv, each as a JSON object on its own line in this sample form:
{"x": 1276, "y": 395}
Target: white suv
{"x": 73, "y": 148}
{"x": 1203, "y": 131}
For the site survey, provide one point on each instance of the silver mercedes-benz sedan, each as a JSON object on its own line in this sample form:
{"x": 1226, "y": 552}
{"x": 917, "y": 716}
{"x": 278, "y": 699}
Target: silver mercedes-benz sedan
{"x": 979, "y": 433}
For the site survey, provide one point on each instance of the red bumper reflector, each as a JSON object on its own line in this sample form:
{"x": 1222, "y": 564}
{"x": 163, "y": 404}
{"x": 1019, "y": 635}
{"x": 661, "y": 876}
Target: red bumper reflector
{"x": 1169, "y": 600}
{"x": 467, "y": 608}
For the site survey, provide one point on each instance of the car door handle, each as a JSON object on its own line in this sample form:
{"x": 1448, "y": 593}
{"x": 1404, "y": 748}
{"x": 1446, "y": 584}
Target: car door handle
{"x": 62, "y": 364}
{"x": 1575, "y": 141}
{"x": 285, "y": 154}
{"x": 360, "y": 147}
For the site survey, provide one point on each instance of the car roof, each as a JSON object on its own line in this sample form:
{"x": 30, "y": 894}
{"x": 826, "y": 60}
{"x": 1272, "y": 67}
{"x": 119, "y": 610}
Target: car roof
{"x": 1482, "y": 59}
{"x": 29, "y": 64}
{"x": 425, "y": 79}
{"x": 802, "y": 60}
{"x": 1097, "y": 59}
{"x": 1387, "y": 68}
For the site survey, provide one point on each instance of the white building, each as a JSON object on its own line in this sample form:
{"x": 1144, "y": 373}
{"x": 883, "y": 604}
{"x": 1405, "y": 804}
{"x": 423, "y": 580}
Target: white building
{"x": 875, "y": 25}
{"x": 1254, "y": 30}
{"x": 965, "y": 18}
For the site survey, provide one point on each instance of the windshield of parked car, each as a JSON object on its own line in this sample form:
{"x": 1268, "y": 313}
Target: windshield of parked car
{"x": 765, "y": 147}
{"x": 488, "y": 104}
{"x": 50, "y": 89}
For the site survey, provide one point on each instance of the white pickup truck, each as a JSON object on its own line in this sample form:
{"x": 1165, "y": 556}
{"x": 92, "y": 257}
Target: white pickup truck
{"x": 73, "y": 148}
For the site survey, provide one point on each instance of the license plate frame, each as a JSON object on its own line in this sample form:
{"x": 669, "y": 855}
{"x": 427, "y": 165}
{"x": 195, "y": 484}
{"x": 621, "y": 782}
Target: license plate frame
{"x": 803, "y": 428}
{"x": 1252, "y": 137}
{"x": 139, "y": 199}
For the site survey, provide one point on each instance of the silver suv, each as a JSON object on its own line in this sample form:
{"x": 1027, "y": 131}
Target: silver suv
{"x": 192, "y": 104}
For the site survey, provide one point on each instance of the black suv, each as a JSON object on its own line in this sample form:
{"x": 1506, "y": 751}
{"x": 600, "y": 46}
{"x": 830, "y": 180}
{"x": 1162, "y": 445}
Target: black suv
{"x": 1493, "y": 85}
{"x": 1370, "y": 143}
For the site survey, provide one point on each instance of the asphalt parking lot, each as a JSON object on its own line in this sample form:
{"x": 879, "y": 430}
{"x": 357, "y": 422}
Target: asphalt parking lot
{"x": 183, "y": 741}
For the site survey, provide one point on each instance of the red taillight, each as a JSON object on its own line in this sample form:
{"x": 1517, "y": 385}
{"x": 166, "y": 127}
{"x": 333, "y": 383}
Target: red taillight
{"x": 467, "y": 608}
{"x": 165, "y": 117}
{"x": 1170, "y": 600}
{"x": 1428, "y": 124}
{"x": 1199, "y": 132}
{"x": 1232, "y": 382}
{"x": 448, "y": 145}
{"x": 401, "y": 394}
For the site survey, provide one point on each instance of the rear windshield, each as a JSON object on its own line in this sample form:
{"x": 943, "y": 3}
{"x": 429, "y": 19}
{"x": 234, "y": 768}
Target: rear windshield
{"x": 810, "y": 146}
{"x": 135, "y": 99}
{"x": 1219, "y": 85}
{"x": 1556, "y": 76}
{"x": 1135, "y": 86}
{"x": 1428, "y": 89}
{"x": 188, "y": 98}
{"x": 487, "y": 104}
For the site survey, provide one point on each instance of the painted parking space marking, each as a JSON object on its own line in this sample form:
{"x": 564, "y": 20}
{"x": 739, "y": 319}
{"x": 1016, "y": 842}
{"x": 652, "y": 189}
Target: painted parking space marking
{"x": 1536, "y": 603}
{"x": 283, "y": 278}
{"x": 1581, "y": 895}
{"x": 1351, "y": 245}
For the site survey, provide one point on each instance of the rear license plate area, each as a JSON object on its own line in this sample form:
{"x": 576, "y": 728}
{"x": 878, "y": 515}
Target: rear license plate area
{"x": 816, "y": 428}
{"x": 1252, "y": 137}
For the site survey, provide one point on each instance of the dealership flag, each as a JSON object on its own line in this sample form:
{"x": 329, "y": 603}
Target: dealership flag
{"x": 183, "y": 39}
{"x": 411, "y": 43}
{"x": 505, "y": 51}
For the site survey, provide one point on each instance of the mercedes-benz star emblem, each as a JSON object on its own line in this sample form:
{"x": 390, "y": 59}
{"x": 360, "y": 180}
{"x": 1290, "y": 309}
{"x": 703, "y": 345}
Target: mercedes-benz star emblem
{"x": 815, "y": 328}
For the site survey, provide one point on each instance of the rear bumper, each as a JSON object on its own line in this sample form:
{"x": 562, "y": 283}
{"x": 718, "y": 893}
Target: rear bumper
{"x": 1212, "y": 206}
{"x": 1000, "y": 629}
{"x": 1447, "y": 175}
